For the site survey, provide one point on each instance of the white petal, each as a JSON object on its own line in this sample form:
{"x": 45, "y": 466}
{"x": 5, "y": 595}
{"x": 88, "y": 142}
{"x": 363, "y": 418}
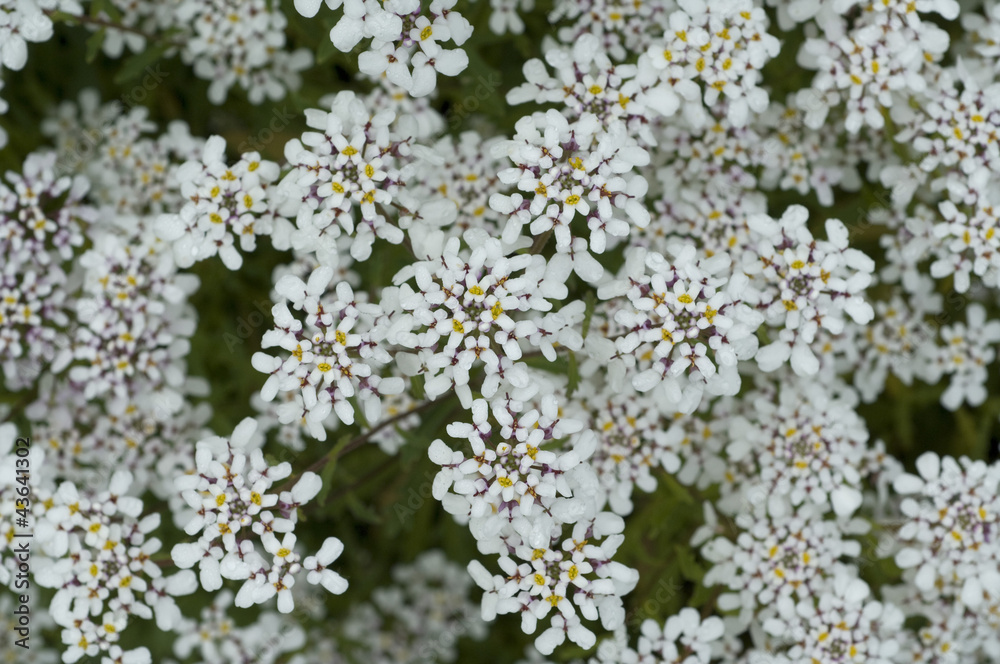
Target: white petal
{"x": 186, "y": 554}
{"x": 549, "y": 639}
{"x": 230, "y": 257}
{"x": 306, "y": 488}
{"x": 451, "y": 63}
{"x": 243, "y": 432}
{"x": 440, "y": 453}
{"x": 907, "y": 483}
{"x": 845, "y": 500}
{"x": 330, "y": 551}
{"x": 908, "y": 557}
{"x": 307, "y": 8}
{"x": 929, "y": 466}
{"x": 333, "y": 582}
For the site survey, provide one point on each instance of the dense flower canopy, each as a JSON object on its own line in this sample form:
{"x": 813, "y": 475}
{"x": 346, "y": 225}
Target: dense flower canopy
{"x": 338, "y": 331}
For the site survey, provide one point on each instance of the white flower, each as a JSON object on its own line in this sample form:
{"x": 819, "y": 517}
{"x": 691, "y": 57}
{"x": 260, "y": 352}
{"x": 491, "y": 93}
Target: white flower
{"x": 950, "y": 550}
{"x": 803, "y": 284}
{"x": 400, "y": 33}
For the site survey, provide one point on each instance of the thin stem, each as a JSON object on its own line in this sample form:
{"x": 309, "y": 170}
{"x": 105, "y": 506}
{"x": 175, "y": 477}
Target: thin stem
{"x": 709, "y": 607}
{"x": 541, "y": 241}
{"x": 385, "y": 214}
{"x": 56, "y": 15}
{"x": 367, "y": 477}
{"x": 357, "y": 442}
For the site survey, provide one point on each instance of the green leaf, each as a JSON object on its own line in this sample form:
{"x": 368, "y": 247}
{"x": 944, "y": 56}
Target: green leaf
{"x": 417, "y": 387}
{"x": 326, "y": 473}
{"x": 590, "y": 300}
{"x": 688, "y": 564}
{"x": 326, "y": 52}
{"x": 97, "y": 7}
{"x": 362, "y": 512}
{"x": 135, "y": 65}
{"x": 559, "y": 366}
{"x": 362, "y": 421}
{"x": 701, "y": 595}
{"x": 94, "y": 43}
{"x": 574, "y": 375}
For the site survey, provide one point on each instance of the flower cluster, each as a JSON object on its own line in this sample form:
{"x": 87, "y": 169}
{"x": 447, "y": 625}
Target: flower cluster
{"x": 719, "y": 48}
{"x": 333, "y": 354}
{"x": 535, "y": 508}
{"x": 561, "y": 577}
{"x": 465, "y": 312}
{"x": 222, "y": 203}
{"x": 133, "y": 317}
{"x": 845, "y": 624}
{"x": 346, "y": 167}
{"x": 419, "y": 617}
{"x": 406, "y": 43}
{"x": 804, "y": 285}
{"x": 226, "y": 42}
{"x": 620, "y": 27}
{"x": 41, "y": 221}
{"x": 131, "y": 172}
{"x": 632, "y": 444}
{"x": 572, "y": 170}
{"x": 966, "y": 350}
{"x": 687, "y": 320}
{"x": 94, "y": 550}
{"x": 951, "y": 520}
{"x": 792, "y": 555}
{"x": 588, "y": 82}
{"x": 218, "y": 639}
{"x": 240, "y": 43}
{"x": 230, "y": 496}
{"x": 888, "y": 53}
{"x": 809, "y": 446}
{"x": 85, "y": 439}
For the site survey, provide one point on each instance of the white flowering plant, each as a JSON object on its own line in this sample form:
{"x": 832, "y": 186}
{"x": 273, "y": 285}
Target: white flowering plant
{"x": 341, "y": 330}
